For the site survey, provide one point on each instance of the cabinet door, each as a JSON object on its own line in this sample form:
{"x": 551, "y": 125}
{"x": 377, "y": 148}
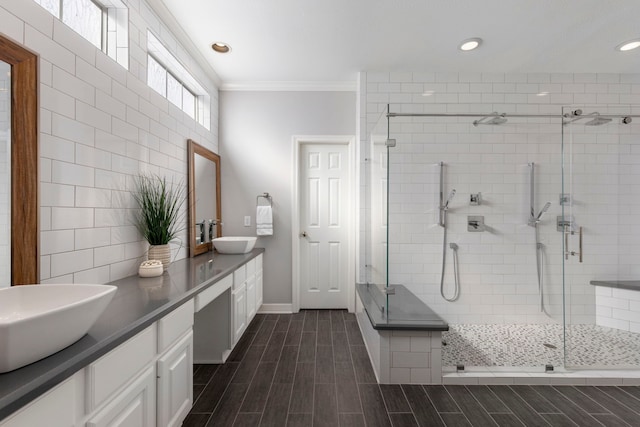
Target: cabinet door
{"x": 175, "y": 382}
{"x": 55, "y": 408}
{"x": 239, "y": 312}
{"x": 251, "y": 298}
{"x": 258, "y": 289}
{"x": 135, "y": 406}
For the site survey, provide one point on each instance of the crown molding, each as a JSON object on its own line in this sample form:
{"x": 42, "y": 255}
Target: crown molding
{"x": 293, "y": 86}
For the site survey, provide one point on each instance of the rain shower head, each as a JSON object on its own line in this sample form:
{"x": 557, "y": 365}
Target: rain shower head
{"x": 493, "y": 119}
{"x": 496, "y": 121}
{"x": 596, "y": 118}
{"x": 597, "y": 121}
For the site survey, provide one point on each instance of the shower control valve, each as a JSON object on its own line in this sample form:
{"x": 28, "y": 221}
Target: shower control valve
{"x": 475, "y": 199}
{"x": 475, "y": 223}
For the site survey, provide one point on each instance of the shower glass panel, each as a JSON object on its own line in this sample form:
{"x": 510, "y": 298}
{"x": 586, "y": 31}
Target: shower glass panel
{"x": 509, "y": 314}
{"x": 376, "y": 229}
{"x": 601, "y": 190}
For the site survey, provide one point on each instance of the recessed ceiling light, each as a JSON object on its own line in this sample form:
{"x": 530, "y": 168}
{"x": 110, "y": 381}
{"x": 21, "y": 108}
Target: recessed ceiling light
{"x": 628, "y": 45}
{"x": 470, "y": 44}
{"x": 221, "y": 47}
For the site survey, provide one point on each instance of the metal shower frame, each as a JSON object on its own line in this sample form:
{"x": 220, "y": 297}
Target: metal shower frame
{"x": 507, "y": 115}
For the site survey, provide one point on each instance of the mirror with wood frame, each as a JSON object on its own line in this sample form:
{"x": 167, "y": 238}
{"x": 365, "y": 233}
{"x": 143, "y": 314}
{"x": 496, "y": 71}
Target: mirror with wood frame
{"x": 205, "y": 211}
{"x": 20, "y": 157}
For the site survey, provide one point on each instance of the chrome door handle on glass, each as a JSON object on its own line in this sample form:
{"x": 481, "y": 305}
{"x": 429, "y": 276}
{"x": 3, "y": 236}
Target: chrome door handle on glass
{"x": 567, "y": 252}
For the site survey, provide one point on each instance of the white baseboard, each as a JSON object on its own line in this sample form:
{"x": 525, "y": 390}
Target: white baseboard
{"x": 276, "y": 308}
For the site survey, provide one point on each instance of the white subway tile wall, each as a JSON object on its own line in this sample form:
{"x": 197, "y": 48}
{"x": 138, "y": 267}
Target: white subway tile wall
{"x": 618, "y": 308}
{"x": 99, "y": 126}
{"x": 498, "y": 276}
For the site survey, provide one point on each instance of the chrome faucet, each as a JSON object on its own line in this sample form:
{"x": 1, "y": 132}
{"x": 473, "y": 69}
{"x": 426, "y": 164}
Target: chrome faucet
{"x": 212, "y": 224}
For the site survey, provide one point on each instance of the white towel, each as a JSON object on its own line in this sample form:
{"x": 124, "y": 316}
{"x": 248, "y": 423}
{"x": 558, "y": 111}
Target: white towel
{"x": 264, "y": 221}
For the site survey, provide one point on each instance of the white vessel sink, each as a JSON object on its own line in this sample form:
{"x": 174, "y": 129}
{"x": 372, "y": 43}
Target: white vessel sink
{"x": 39, "y": 320}
{"x": 234, "y": 244}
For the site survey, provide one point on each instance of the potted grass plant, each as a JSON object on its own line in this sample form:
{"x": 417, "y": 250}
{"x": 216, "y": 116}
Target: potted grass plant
{"x": 159, "y": 218}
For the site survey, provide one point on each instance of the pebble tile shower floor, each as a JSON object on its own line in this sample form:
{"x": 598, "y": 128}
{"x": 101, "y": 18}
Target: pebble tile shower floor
{"x": 312, "y": 369}
{"x": 524, "y": 346}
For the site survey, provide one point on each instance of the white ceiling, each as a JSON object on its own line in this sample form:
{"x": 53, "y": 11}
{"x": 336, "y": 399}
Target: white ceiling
{"x": 330, "y": 41}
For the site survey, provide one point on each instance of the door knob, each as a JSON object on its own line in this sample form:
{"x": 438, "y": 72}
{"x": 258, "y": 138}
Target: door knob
{"x": 303, "y": 234}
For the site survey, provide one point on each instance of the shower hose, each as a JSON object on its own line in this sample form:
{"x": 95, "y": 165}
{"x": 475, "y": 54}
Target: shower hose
{"x": 456, "y": 273}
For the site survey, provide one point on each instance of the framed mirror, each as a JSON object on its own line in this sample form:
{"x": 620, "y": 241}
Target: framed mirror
{"x": 19, "y": 164}
{"x": 205, "y": 211}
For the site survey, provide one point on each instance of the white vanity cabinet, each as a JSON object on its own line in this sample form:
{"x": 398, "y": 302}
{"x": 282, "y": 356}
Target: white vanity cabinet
{"x": 246, "y": 295}
{"x": 146, "y": 381}
{"x": 258, "y": 282}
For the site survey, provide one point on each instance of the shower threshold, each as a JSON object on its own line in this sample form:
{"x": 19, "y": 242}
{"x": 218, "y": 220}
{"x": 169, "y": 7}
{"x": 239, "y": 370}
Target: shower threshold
{"x": 536, "y": 375}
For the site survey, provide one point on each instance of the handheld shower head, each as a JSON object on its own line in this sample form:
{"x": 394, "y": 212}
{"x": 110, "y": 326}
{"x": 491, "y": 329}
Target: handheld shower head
{"x": 449, "y": 197}
{"x": 543, "y": 211}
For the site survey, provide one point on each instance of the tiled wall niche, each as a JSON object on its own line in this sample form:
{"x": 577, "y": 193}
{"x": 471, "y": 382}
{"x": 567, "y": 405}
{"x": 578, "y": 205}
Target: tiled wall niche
{"x": 498, "y": 267}
{"x": 100, "y": 125}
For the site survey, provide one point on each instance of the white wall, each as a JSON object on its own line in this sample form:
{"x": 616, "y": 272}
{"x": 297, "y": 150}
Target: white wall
{"x": 256, "y": 150}
{"x": 497, "y": 268}
{"x": 100, "y": 125}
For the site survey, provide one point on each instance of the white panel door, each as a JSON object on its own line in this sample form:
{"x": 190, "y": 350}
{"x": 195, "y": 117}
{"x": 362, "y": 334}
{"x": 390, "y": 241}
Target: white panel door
{"x": 324, "y": 225}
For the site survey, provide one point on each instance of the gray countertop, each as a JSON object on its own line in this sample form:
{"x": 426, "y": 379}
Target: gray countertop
{"x": 138, "y": 303}
{"x": 405, "y": 311}
{"x": 633, "y": 285}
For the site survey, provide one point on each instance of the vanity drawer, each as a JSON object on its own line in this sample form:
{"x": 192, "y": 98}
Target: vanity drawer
{"x": 251, "y": 267}
{"x": 239, "y": 276}
{"x": 174, "y": 325}
{"x": 113, "y": 370}
{"x": 213, "y": 292}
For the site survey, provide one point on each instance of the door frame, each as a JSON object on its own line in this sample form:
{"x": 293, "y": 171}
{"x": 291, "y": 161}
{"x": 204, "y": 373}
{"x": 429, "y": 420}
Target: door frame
{"x": 350, "y": 141}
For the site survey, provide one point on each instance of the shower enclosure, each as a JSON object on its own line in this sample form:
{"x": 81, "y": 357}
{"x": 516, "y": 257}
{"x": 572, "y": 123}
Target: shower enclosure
{"x": 500, "y": 223}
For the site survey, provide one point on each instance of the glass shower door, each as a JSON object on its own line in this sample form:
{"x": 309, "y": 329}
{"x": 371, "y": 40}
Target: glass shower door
{"x": 601, "y": 239}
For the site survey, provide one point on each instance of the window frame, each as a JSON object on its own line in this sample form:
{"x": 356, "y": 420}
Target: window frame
{"x": 201, "y": 108}
{"x": 104, "y": 11}
{"x": 112, "y": 20}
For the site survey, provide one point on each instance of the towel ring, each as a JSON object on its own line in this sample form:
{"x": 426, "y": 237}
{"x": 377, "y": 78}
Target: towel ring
{"x": 266, "y": 196}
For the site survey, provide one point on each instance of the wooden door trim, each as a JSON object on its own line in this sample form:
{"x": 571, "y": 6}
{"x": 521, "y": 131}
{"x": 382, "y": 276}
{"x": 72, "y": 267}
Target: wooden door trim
{"x": 24, "y": 162}
{"x": 350, "y": 141}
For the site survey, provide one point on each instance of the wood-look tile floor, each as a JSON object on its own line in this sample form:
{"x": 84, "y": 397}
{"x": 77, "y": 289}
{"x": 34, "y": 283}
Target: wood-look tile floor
{"x": 312, "y": 369}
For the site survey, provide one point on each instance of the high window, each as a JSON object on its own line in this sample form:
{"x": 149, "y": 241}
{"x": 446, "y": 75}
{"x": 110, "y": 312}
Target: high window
{"x": 104, "y": 23}
{"x": 167, "y": 76}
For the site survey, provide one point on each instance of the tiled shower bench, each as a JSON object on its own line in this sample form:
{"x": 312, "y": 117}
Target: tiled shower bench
{"x": 404, "y": 339}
